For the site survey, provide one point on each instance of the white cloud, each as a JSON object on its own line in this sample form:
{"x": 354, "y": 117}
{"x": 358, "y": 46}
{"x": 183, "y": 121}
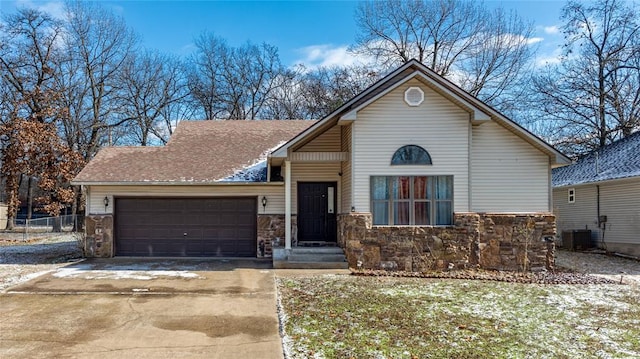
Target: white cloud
{"x": 328, "y": 55}
{"x": 549, "y": 58}
{"x": 534, "y": 40}
{"x": 53, "y": 8}
{"x": 551, "y": 30}
{"x": 512, "y": 39}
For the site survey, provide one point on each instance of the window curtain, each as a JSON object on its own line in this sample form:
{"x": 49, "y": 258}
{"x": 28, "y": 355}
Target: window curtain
{"x": 401, "y": 197}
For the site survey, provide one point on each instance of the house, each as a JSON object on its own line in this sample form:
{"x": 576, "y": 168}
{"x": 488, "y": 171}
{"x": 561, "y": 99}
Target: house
{"x": 412, "y": 173}
{"x": 3, "y": 216}
{"x": 600, "y": 193}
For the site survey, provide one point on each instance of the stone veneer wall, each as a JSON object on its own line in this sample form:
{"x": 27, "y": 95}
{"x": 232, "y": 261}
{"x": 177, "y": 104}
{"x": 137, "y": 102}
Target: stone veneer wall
{"x": 476, "y": 240}
{"x": 99, "y": 236}
{"x": 270, "y": 228}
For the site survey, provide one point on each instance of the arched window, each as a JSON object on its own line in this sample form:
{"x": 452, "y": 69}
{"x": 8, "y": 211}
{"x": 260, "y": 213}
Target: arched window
{"x": 411, "y": 155}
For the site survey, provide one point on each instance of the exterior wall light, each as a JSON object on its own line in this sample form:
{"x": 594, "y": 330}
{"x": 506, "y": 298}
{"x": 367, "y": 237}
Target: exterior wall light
{"x": 264, "y": 203}
{"x": 106, "y": 203}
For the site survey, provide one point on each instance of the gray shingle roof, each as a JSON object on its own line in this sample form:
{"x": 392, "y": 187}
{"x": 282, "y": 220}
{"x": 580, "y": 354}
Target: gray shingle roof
{"x": 620, "y": 159}
{"x": 198, "y": 152}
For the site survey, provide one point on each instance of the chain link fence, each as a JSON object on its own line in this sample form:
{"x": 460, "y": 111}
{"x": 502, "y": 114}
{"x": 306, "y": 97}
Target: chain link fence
{"x": 46, "y": 227}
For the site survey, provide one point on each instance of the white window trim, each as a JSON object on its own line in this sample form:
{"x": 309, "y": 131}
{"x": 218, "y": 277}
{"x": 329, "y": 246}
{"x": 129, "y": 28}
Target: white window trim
{"x": 571, "y": 195}
{"x": 431, "y": 202}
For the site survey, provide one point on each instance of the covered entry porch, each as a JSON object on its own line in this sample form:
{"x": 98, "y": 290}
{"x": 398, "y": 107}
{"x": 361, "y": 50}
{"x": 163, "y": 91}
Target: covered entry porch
{"x": 314, "y": 196}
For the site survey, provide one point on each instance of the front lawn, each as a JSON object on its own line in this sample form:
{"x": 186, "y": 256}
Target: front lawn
{"x": 382, "y": 317}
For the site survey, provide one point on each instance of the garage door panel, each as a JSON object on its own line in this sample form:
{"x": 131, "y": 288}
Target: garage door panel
{"x": 242, "y": 232}
{"x": 213, "y": 226}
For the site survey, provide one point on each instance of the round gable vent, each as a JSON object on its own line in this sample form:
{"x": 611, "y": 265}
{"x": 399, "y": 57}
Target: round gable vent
{"x": 414, "y": 96}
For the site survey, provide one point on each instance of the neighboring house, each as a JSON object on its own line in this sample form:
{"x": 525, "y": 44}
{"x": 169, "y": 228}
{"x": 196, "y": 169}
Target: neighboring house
{"x": 3, "y": 216}
{"x": 412, "y": 173}
{"x": 601, "y": 193}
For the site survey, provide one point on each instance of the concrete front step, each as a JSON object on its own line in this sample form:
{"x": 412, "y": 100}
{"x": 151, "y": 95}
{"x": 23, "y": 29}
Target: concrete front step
{"x": 321, "y": 250}
{"x": 313, "y": 257}
{"x": 310, "y": 258}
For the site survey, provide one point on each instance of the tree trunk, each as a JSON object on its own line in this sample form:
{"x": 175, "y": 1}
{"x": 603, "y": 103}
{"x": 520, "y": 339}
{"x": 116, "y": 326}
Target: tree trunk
{"x": 29, "y": 198}
{"x": 75, "y": 205}
{"x": 11, "y": 221}
{"x": 12, "y": 186}
{"x": 57, "y": 224}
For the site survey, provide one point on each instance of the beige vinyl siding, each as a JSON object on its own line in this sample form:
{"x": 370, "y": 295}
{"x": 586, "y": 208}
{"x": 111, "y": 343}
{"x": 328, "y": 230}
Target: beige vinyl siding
{"x": 274, "y": 194}
{"x": 346, "y": 170}
{"x": 389, "y": 123}
{"x": 620, "y": 202}
{"x": 329, "y": 141}
{"x": 313, "y": 172}
{"x": 508, "y": 174}
{"x": 582, "y": 214}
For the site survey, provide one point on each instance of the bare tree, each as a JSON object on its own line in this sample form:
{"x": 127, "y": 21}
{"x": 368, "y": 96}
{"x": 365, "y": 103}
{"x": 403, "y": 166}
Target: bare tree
{"x": 28, "y": 60}
{"x": 258, "y": 68}
{"x": 98, "y": 44}
{"x": 485, "y": 52}
{"x": 287, "y": 101}
{"x": 233, "y": 82}
{"x": 593, "y": 96}
{"x": 204, "y": 76}
{"x": 151, "y": 82}
{"x": 327, "y": 88}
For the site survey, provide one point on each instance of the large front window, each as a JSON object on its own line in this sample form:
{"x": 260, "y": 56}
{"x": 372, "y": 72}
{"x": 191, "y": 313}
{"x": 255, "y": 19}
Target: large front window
{"x": 412, "y": 200}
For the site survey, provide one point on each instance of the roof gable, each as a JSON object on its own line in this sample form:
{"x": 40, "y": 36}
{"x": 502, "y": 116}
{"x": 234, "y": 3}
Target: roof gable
{"x": 479, "y": 111}
{"x": 615, "y": 161}
{"x": 199, "y": 152}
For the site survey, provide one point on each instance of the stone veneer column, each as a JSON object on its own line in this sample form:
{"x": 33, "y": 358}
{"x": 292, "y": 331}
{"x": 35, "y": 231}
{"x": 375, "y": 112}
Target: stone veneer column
{"x": 98, "y": 241}
{"x": 270, "y": 228}
{"x": 516, "y": 242}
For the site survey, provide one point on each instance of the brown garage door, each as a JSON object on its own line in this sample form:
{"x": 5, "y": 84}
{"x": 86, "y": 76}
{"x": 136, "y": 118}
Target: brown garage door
{"x": 162, "y": 227}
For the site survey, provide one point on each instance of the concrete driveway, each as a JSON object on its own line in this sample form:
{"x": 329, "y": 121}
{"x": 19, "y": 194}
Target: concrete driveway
{"x": 125, "y": 308}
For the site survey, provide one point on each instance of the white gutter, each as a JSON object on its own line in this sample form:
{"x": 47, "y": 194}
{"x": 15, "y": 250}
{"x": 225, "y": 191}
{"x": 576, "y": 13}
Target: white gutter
{"x": 175, "y": 183}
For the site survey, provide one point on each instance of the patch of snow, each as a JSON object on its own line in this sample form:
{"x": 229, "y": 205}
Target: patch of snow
{"x": 21, "y": 278}
{"x": 256, "y": 171}
{"x": 79, "y": 272}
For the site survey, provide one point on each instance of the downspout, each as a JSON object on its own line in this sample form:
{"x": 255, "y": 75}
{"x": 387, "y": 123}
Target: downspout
{"x": 469, "y": 168}
{"x": 598, "y": 203}
{"x": 601, "y": 224}
{"x": 287, "y": 205}
{"x": 87, "y": 199}
{"x": 550, "y": 188}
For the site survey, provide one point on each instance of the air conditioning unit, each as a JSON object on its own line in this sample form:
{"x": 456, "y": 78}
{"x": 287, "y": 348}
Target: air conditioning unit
{"x": 578, "y": 239}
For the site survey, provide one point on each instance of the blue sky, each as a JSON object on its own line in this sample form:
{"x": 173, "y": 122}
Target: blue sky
{"x": 311, "y": 32}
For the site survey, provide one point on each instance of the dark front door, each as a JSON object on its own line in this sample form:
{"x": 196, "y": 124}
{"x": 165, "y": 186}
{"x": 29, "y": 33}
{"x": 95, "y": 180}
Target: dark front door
{"x": 317, "y": 212}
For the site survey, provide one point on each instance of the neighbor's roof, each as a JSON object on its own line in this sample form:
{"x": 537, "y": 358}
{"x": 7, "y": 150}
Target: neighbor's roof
{"x": 198, "y": 152}
{"x": 620, "y": 159}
